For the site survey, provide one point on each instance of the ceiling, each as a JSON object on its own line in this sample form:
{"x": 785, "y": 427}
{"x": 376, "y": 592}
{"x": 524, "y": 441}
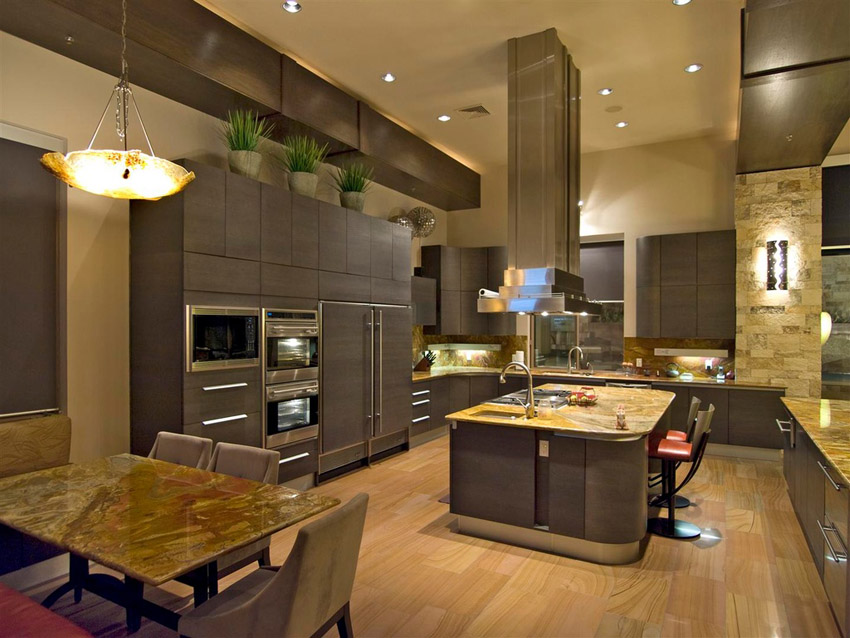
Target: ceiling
{"x": 449, "y": 54}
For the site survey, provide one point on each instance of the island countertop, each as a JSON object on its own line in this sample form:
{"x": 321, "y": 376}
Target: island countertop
{"x": 644, "y": 408}
{"x": 827, "y": 422}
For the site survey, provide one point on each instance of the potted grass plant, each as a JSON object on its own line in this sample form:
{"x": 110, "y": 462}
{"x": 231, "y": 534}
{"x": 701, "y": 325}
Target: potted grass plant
{"x": 352, "y": 182}
{"x": 302, "y": 156}
{"x": 242, "y": 132}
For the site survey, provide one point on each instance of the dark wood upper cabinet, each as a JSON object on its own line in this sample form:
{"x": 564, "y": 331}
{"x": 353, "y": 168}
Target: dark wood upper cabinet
{"x": 359, "y": 244}
{"x": 602, "y": 269}
{"x": 448, "y": 313}
{"x": 473, "y": 268}
{"x": 401, "y": 253}
{"x": 679, "y": 259}
{"x": 424, "y": 294}
{"x": 204, "y": 210}
{"x": 333, "y": 223}
{"x": 716, "y": 257}
{"x": 242, "y": 217}
{"x": 276, "y": 225}
{"x": 314, "y": 101}
{"x": 779, "y": 35}
{"x": 472, "y": 322}
{"x": 497, "y": 264}
{"x": 648, "y": 261}
{"x": 716, "y": 311}
{"x": 648, "y": 310}
{"x": 678, "y": 311}
{"x": 305, "y": 231}
{"x": 836, "y": 206}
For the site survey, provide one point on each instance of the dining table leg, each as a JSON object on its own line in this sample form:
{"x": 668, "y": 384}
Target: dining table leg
{"x": 79, "y": 571}
{"x": 134, "y": 591}
{"x": 212, "y": 578}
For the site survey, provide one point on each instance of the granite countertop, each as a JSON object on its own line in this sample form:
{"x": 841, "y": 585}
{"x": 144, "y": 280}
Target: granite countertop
{"x": 644, "y": 408}
{"x": 827, "y": 422}
{"x": 149, "y": 519}
{"x": 606, "y": 375}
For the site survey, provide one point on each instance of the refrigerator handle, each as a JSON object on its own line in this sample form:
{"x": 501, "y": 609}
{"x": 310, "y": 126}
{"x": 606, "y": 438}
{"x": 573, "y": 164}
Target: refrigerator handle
{"x": 380, "y": 370}
{"x": 371, "y": 326}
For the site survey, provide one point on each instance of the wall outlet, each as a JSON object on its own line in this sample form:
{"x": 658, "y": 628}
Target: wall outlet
{"x": 708, "y": 365}
{"x": 638, "y": 362}
{"x": 544, "y": 448}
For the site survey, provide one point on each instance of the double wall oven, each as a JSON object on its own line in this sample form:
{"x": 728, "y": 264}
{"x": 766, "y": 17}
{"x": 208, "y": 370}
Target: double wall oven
{"x": 291, "y": 360}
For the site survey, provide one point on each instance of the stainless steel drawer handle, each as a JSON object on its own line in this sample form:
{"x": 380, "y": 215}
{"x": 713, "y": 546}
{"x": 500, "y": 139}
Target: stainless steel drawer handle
{"x": 421, "y": 392}
{"x": 224, "y": 419}
{"x": 289, "y": 459}
{"x": 422, "y": 418}
{"x": 415, "y": 403}
{"x": 779, "y": 424}
{"x": 829, "y": 478}
{"x": 836, "y": 556}
{"x": 227, "y": 386}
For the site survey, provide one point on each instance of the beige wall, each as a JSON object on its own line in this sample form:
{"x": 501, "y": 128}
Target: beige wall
{"x": 47, "y": 92}
{"x": 671, "y": 187}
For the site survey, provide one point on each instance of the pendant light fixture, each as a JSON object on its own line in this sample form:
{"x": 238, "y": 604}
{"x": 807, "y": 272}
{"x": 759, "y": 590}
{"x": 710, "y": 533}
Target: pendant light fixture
{"x": 120, "y": 174}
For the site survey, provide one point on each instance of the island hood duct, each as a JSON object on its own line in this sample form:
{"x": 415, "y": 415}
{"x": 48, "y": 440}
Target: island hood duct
{"x": 543, "y": 182}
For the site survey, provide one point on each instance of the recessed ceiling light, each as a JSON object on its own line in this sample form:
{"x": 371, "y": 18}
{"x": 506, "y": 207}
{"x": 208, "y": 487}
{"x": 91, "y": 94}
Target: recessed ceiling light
{"x": 291, "y": 6}
{"x": 388, "y": 77}
{"x": 693, "y": 68}
{"x": 681, "y": 3}
{"x": 605, "y": 91}
{"x": 621, "y": 124}
{"x": 444, "y": 118}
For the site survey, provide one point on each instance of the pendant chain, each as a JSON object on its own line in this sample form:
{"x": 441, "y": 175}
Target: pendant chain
{"x": 122, "y": 90}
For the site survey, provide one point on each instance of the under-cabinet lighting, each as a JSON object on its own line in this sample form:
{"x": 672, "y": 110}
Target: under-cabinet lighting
{"x": 472, "y": 347}
{"x": 777, "y": 264}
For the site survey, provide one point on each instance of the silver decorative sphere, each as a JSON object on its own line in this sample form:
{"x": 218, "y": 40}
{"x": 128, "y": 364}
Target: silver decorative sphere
{"x": 423, "y": 220}
{"x": 404, "y": 222}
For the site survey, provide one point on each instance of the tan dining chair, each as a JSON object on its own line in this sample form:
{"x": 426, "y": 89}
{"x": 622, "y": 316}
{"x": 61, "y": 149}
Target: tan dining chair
{"x": 182, "y": 449}
{"x": 306, "y": 596}
{"x": 254, "y": 464}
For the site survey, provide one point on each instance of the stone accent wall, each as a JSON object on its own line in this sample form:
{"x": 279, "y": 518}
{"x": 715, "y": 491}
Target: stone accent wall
{"x": 778, "y": 332}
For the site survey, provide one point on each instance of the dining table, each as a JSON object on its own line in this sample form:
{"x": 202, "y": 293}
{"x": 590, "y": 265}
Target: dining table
{"x": 149, "y": 520}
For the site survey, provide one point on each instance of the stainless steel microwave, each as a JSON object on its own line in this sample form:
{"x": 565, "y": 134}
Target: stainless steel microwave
{"x": 221, "y": 337}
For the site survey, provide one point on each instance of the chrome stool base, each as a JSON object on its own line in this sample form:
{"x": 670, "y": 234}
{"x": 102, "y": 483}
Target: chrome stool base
{"x": 672, "y": 528}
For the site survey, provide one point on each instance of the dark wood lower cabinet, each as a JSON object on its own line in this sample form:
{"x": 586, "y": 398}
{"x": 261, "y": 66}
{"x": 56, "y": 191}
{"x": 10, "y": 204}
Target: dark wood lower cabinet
{"x": 483, "y": 388}
{"x": 752, "y": 418}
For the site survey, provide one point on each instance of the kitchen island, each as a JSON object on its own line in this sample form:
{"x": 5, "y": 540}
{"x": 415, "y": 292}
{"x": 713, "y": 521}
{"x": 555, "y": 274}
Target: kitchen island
{"x": 573, "y": 484}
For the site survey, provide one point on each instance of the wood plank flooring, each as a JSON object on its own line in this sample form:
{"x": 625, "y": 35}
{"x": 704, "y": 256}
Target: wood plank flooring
{"x": 749, "y": 575}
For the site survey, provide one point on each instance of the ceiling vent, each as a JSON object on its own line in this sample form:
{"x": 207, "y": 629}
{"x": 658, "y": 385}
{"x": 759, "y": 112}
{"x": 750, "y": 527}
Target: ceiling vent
{"x": 471, "y": 112}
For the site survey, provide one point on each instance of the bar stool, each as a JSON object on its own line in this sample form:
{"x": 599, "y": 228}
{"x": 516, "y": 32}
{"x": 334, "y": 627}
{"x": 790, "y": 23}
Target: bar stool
{"x": 679, "y": 435}
{"x": 671, "y": 453}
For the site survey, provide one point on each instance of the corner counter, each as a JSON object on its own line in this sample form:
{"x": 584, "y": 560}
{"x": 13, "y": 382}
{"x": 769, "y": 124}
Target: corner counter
{"x": 573, "y": 485}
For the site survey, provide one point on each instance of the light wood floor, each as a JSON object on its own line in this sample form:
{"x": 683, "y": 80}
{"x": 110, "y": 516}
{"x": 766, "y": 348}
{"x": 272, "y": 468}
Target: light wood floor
{"x": 750, "y": 574}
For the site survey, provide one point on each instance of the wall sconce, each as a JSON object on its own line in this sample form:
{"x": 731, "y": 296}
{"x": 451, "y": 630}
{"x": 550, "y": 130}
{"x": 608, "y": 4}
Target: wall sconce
{"x": 777, "y": 264}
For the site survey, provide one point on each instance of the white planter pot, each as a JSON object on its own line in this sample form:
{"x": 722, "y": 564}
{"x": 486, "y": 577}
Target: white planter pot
{"x": 353, "y": 200}
{"x": 303, "y": 183}
{"x": 245, "y": 163}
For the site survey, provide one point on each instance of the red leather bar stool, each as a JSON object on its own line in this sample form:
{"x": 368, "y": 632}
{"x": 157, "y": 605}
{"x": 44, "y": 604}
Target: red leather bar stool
{"x": 676, "y": 435}
{"x": 671, "y": 453}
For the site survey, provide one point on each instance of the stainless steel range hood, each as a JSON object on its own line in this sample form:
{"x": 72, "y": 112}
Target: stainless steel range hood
{"x": 543, "y": 182}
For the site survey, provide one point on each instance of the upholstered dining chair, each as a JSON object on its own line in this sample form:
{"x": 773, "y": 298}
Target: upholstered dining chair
{"x": 306, "y": 596}
{"x": 254, "y": 464}
{"x": 182, "y": 449}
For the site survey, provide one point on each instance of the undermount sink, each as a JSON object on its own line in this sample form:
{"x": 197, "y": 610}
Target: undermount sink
{"x": 498, "y": 414}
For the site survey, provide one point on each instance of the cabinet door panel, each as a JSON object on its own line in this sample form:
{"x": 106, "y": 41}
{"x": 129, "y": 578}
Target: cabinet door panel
{"x": 381, "y": 248}
{"x": 716, "y": 257}
{"x": 203, "y": 211}
{"x": 677, "y": 414}
{"x": 391, "y": 291}
{"x": 449, "y": 268}
{"x": 678, "y": 311}
{"x": 333, "y": 221}
{"x": 393, "y": 383}
{"x": 242, "y": 217}
{"x": 220, "y": 274}
{"x": 276, "y": 223}
{"x": 473, "y": 268}
{"x": 359, "y": 239}
{"x": 497, "y": 264}
{"x": 752, "y": 418}
{"x": 483, "y": 388}
{"x": 649, "y": 312}
{"x": 648, "y": 261}
{"x": 338, "y": 286}
{"x": 472, "y": 322}
{"x": 716, "y": 311}
{"x": 346, "y": 375}
{"x": 719, "y": 398}
{"x": 288, "y": 281}
{"x": 458, "y": 393}
{"x": 247, "y": 431}
{"x": 305, "y": 231}
{"x": 501, "y": 323}
{"x": 679, "y": 259}
{"x": 439, "y": 401}
{"x": 448, "y": 313}
{"x": 401, "y": 253}
{"x": 424, "y": 295}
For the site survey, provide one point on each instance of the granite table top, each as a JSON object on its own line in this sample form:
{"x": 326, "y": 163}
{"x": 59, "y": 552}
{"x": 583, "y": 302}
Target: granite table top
{"x": 827, "y": 422}
{"x": 602, "y": 375}
{"x": 644, "y": 408}
{"x": 149, "y": 519}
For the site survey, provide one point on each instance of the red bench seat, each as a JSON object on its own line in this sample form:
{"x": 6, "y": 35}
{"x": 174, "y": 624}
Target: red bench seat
{"x": 22, "y": 617}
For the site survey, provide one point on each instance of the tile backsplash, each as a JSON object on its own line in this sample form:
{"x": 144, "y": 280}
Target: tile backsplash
{"x": 639, "y": 347}
{"x": 481, "y": 358}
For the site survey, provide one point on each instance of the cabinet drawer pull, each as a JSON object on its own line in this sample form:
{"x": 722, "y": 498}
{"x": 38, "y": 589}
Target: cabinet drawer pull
{"x": 836, "y": 556}
{"x": 415, "y": 403}
{"x": 829, "y": 478}
{"x": 421, "y": 392}
{"x": 422, "y": 418}
{"x": 779, "y": 424}
{"x": 224, "y": 419}
{"x": 289, "y": 459}
{"x": 227, "y": 386}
